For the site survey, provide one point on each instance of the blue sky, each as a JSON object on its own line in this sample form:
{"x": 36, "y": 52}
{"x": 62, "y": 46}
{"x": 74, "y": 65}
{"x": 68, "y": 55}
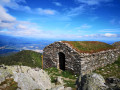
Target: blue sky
{"x": 61, "y": 19}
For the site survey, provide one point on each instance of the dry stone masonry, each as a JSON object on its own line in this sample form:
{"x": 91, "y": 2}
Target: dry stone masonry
{"x": 63, "y": 56}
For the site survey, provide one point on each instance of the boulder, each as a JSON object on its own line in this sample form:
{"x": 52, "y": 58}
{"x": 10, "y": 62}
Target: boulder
{"x": 113, "y": 83}
{"x": 91, "y": 81}
{"x": 27, "y": 78}
{"x": 5, "y": 73}
{"x": 68, "y": 88}
{"x": 59, "y": 80}
{"x": 61, "y": 87}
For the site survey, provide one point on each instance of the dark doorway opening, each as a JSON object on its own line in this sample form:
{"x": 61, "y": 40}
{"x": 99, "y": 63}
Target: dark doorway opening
{"x": 62, "y": 61}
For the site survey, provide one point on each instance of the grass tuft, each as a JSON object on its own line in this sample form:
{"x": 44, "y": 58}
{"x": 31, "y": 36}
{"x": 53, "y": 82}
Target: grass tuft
{"x": 68, "y": 78}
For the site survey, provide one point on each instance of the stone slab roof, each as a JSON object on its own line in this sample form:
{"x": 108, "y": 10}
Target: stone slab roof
{"x": 89, "y": 46}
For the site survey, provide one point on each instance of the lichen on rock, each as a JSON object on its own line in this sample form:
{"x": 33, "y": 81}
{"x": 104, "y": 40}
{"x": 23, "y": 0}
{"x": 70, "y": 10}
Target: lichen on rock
{"x": 91, "y": 81}
{"x": 27, "y": 78}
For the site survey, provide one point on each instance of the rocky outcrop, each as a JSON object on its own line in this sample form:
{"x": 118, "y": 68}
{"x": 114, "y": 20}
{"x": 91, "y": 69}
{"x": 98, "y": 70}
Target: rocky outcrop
{"x": 113, "y": 83}
{"x": 4, "y": 74}
{"x": 91, "y": 81}
{"x": 95, "y": 81}
{"x": 26, "y": 77}
{"x": 61, "y": 88}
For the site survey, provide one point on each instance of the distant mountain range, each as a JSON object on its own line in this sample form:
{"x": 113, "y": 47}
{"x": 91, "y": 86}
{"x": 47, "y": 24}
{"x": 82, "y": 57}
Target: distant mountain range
{"x": 9, "y": 44}
{"x": 9, "y": 40}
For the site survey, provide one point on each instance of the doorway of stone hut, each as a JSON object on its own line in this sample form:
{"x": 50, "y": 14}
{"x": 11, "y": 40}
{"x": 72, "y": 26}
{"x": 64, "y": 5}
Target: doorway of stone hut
{"x": 61, "y": 61}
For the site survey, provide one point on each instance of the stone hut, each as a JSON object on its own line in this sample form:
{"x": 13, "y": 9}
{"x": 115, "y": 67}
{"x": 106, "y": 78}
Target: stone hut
{"x": 79, "y": 57}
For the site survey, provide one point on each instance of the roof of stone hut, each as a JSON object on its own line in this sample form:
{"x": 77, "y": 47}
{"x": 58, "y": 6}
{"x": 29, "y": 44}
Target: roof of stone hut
{"x": 89, "y": 46}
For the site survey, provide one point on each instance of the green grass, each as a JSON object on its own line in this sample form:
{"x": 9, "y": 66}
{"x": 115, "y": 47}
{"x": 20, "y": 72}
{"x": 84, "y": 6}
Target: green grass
{"x": 67, "y": 74}
{"x": 69, "y": 83}
{"x": 69, "y": 78}
{"x": 89, "y": 46}
{"x": 111, "y": 70}
{"x": 25, "y": 58}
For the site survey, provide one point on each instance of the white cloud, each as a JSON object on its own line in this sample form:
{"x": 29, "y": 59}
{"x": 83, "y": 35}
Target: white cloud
{"x": 6, "y": 20}
{"x": 14, "y": 4}
{"x": 6, "y": 25}
{"x": 93, "y": 2}
{"x": 4, "y": 16}
{"x": 94, "y": 18}
{"x": 107, "y": 35}
{"x": 45, "y": 11}
{"x": 110, "y": 30}
{"x": 67, "y": 25}
{"x": 93, "y": 35}
{"x": 25, "y": 29}
{"x": 84, "y": 26}
{"x": 57, "y": 3}
{"x": 85, "y": 6}
{"x": 6, "y": 1}
{"x": 76, "y": 11}
{"x": 110, "y": 35}
{"x": 10, "y": 26}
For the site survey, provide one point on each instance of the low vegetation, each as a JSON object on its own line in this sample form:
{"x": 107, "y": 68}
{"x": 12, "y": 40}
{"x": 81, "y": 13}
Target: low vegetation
{"x": 89, "y": 46}
{"x": 25, "y": 58}
{"x": 111, "y": 70}
{"x": 9, "y": 84}
{"x": 116, "y": 44}
{"x": 68, "y": 78}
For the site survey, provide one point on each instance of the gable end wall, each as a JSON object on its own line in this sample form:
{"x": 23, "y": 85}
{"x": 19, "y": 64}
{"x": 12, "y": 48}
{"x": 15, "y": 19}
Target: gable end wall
{"x": 51, "y": 57}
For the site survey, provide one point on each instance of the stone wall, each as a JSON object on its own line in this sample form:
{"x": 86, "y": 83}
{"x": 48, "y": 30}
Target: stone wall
{"x": 51, "y": 57}
{"x": 76, "y": 62}
{"x": 90, "y": 62}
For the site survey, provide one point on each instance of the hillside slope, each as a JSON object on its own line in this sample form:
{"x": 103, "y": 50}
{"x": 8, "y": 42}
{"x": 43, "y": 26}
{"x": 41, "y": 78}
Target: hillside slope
{"x": 25, "y": 58}
{"x": 116, "y": 44}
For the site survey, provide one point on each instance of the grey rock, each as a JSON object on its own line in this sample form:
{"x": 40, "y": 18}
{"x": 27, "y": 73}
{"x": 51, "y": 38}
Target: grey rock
{"x": 30, "y": 79}
{"x": 68, "y": 88}
{"x": 26, "y": 77}
{"x": 59, "y": 80}
{"x": 5, "y": 73}
{"x": 91, "y": 81}
{"x": 58, "y": 88}
{"x": 113, "y": 83}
